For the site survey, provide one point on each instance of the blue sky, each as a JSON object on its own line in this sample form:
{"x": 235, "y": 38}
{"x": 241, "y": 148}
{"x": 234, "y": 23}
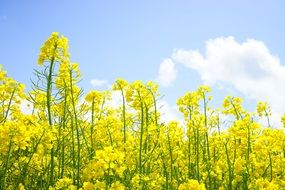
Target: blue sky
{"x": 131, "y": 39}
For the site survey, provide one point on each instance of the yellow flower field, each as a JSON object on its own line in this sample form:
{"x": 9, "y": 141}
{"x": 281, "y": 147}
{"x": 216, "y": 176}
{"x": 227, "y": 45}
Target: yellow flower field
{"x": 75, "y": 140}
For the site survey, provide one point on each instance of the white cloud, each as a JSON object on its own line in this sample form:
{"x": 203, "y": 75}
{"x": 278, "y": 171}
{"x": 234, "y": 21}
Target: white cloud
{"x": 97, "y": 82}
{"x": 168, "y": 112}
{"x": 116, "y": 100}
{"x": 25, "y": 107}
{"x": 166, "y": 73}
{"x": 248, "y": 67}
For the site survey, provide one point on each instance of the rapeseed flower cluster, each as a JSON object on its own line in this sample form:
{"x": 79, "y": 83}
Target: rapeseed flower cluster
{"x": 74, "y": 141}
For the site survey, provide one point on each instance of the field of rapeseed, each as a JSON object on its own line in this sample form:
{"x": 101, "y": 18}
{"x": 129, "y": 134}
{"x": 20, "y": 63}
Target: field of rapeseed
{"x": 76, "y": 141}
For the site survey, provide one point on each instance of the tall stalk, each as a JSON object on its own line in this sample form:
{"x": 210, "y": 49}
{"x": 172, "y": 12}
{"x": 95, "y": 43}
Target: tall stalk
{"x": 141, "y": 138}
{"x": 189, "y": 145}
{"x": 207, "y": 141}
{"x": 92, "y": 129}
{"x": 64, "y": 119}
{"x": 124, "y": 113}
{"x": 48, "y": 98}
{"x": 77, "y": 131}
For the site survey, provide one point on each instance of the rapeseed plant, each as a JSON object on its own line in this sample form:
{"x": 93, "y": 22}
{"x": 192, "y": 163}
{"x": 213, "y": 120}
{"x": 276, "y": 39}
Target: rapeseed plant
{"x": 72, "y": 141}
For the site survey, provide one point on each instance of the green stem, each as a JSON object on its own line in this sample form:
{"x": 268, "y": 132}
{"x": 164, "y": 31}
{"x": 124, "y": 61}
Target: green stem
{"x": 141, "y": 138}
{"x": 124, "y": 112}
{"x": 271, "y": 167}
{"x": 171, "y": 158}
{"x": 9, "y": 105}
{"x": 48, "y": 94}
{"x": 7, "y": 164}
{"x": 229, "y": 168}
{"x": 92, "y": 129}
{"x": 207, "y": 141}
{"x": 77, "y": 130}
